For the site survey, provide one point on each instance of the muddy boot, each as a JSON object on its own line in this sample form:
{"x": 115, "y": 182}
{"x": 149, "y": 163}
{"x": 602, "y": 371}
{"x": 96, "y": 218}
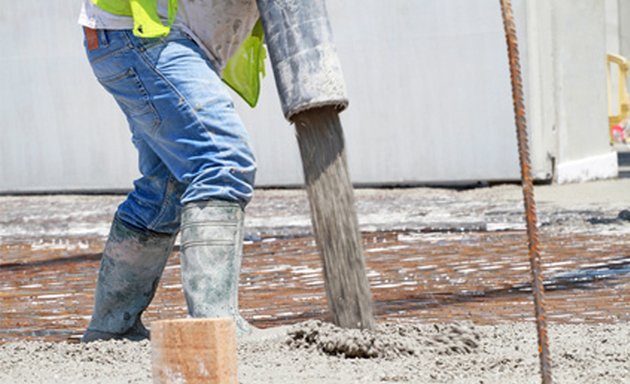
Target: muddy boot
{"x": 212, "y": 246}
{"x": 131, "y": 267}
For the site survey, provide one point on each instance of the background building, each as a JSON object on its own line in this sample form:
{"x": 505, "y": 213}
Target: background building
{"x": 429, "y": 90}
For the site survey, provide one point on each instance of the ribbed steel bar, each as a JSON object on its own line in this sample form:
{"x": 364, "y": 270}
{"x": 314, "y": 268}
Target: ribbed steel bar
{"x": 528, "y": 189}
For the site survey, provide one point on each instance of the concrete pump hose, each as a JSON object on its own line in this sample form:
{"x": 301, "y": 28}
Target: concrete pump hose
{"x": 303, "y": 56}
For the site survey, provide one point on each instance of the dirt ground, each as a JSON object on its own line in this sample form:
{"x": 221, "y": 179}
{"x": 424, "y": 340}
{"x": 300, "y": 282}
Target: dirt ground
{"x": 448, "y": 270}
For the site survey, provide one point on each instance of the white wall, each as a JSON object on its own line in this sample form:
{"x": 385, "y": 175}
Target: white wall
{"x": 537, "y": 24}
{"x": 613, "y": 36}
{"x": 580, "y": 88}
{"x": 428, "y": 82}
{"x": 58, "y": 129}
{"x": 624, "y": 27}
{"x": 567, "y": 89}
{"x": 429, "y": 95}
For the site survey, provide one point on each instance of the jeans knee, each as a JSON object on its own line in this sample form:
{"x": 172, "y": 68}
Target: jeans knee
{"x": 229, "y": 183}
{"x": 157, "y": 212}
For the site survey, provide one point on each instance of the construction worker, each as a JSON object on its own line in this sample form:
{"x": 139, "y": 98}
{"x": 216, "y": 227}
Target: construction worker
{"x": 197, "y": 168}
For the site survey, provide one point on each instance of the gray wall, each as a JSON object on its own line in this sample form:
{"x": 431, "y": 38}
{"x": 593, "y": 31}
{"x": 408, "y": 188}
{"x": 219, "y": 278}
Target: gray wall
{"x": 428, "y": 83}
{"x": 567, "y": 89}
{"x": 581, "y": 77}
{"x": 583, "y": 149}
{"x": 58, "y": 129}
{"x": 624, "y": 27}
{"x": 429, "y": 95}
{"x": 613, "y": 32}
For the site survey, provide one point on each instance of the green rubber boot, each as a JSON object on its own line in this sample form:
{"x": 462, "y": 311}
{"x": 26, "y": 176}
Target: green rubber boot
{"x": 131, "y": 268}
{"x": 211, "y": 251}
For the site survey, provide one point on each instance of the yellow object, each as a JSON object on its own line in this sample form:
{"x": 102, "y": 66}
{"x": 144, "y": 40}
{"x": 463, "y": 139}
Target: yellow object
{"x": 115, "y": 7}
{"x": 244, "y": 69}
{"x": 146, "y": 21}
{"x": 623, "y": 97}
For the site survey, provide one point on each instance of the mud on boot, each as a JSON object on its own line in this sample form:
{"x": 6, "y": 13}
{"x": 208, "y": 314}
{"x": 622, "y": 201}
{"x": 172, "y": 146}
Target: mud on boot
{"x": 212, "y": 250}
{"x": 130, "y": 271}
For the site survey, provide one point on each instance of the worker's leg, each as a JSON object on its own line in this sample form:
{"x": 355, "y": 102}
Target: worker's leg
{"x": 177, "y": 105}
{"x": 141, "y": 239}
{"x": 130, "y": 271}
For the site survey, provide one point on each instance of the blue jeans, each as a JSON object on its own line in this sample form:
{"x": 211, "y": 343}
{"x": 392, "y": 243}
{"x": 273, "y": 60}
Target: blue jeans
{"x": 192, "y": 145}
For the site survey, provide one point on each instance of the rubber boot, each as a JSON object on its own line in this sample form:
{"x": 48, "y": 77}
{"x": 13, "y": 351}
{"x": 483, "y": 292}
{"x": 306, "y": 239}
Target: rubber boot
{"x": 211, "y": 252}
{"x": 131, "y": 267}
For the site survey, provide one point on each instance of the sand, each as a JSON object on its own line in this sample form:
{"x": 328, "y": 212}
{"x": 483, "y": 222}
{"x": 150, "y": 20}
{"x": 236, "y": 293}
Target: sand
{"x": 319, "y": 353}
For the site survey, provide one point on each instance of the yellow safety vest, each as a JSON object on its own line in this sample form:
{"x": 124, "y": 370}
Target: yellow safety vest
{"x": 242, "y": 71}
{"x": 146, "y": 21}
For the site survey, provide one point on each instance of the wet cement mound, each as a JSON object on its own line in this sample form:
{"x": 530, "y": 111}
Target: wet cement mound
{"x": 389, "y": 341}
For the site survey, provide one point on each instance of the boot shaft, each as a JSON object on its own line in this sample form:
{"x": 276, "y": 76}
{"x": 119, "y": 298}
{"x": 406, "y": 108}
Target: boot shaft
{"x": 131, "y": 267}
{"x": 211, "y": 254}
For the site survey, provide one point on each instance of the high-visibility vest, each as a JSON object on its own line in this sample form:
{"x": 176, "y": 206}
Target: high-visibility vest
{"x": 242, "y": 71}
{"x": 146, "y": 21}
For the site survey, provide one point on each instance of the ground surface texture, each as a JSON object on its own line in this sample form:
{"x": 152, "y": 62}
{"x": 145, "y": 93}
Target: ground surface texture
{"x": 448, "y": 271}
{"x": 401, "y": 353}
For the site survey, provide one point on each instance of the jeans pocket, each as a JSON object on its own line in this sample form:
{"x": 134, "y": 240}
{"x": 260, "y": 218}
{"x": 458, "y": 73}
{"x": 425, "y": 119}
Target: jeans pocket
{"x": 133, "y": 98}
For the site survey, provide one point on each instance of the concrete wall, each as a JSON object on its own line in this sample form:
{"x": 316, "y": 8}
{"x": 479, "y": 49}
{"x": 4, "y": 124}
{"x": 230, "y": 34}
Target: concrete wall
{"x": 58, "y": 129}
{"x": 613, "y": 35}
{"x": 580, "y": 87}
{"x": 538, "y": 74}
{"x": 568, "y": 95}
{"x": 622, "y": 35}
{"x": 613, "y": 46}
{"x": 624, "y": 27}
{"x": 429, "y": 96}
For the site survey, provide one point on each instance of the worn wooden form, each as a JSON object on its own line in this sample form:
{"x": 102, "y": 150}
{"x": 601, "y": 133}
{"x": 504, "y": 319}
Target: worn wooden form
{"x": 194, "y": 351}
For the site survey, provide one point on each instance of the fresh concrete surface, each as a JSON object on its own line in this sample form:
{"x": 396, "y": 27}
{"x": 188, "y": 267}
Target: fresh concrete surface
{"x": 286, "y": 210}
{"x": 582, "y": 353}
{"x": 418, "y": 353}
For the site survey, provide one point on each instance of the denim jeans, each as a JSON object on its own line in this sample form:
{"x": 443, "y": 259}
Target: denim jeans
{"x": 192, "y": 145}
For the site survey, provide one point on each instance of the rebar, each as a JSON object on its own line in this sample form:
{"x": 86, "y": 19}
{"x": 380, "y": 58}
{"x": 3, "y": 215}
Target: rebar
{"x": 528, "y": 189}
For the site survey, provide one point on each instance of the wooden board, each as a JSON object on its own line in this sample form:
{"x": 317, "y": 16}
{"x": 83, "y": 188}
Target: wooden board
{"x": 194, "y": 351}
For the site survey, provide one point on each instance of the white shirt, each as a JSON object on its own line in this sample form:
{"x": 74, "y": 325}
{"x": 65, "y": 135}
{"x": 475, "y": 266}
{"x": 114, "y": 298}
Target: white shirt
{"x": 217, "y": 26}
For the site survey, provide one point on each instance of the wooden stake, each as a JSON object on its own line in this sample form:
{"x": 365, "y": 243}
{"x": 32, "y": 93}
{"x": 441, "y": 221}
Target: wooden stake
{"x": 194, "y": 351}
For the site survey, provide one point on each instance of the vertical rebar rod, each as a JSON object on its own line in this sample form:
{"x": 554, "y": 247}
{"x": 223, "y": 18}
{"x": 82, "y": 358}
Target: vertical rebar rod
{"x": 528, "y": 189}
